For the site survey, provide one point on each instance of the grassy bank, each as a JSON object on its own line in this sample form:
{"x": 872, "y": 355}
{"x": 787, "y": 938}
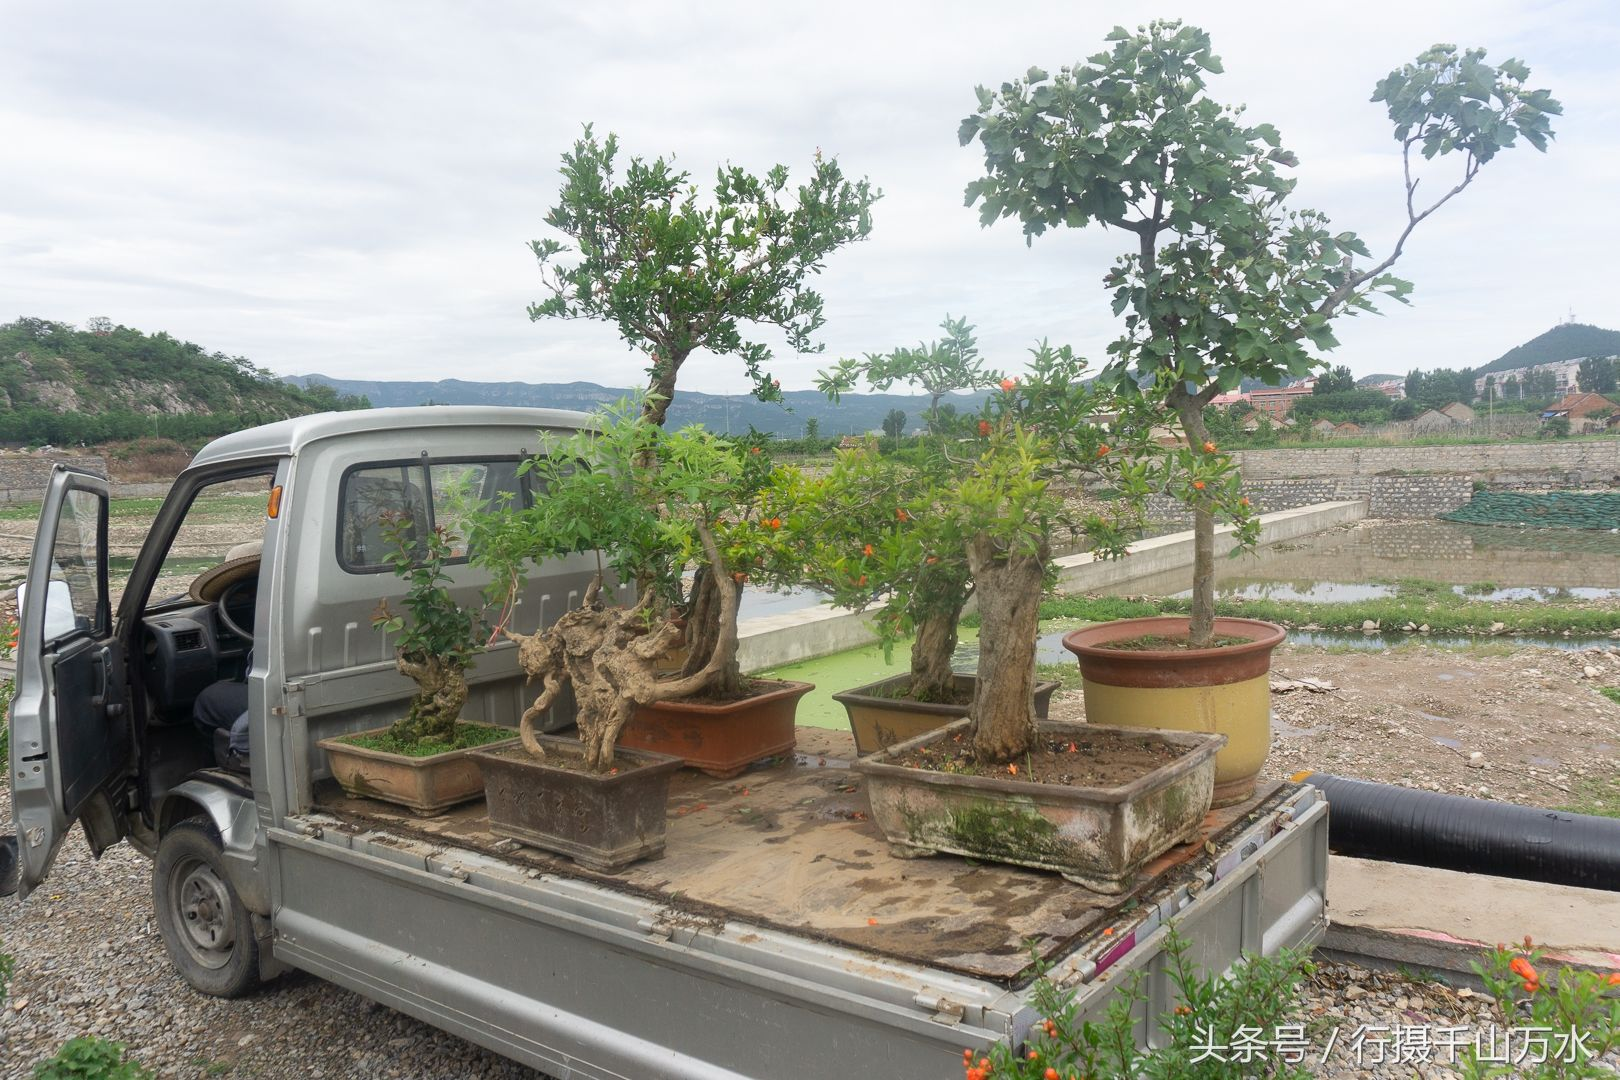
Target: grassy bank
{"x": 1419, "y": 602}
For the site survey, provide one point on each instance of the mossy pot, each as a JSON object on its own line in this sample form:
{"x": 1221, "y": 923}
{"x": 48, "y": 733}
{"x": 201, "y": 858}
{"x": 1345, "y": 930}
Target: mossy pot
{"x": 425, "y": 785}
{"x": 1098, "y": 837}
{"x": 878, "y": 719}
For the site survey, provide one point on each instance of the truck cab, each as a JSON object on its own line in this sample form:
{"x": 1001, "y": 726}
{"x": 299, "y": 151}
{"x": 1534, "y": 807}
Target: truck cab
{"x": 777, "y": 905}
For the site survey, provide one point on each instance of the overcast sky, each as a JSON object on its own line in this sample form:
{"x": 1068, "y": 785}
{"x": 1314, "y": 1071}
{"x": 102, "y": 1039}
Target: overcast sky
{"x": 349, "y": 188}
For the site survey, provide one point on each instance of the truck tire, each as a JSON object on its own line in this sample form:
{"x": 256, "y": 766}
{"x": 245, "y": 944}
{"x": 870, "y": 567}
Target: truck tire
{"x": 207, "y": 931}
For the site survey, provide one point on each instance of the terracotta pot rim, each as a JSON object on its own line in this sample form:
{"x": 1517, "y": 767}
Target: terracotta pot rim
{"x": 1263, "y": 637}
{"x": 784, "y": 688}
{"x": 1200, "y": 747}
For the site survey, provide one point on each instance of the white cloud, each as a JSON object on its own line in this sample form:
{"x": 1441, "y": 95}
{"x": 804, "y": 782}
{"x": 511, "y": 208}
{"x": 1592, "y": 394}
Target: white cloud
{"x": 349, "y": 188}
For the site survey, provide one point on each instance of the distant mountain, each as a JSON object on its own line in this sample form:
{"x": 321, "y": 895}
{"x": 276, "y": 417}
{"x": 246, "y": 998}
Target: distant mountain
{"x": 62, "y": 385}
{"x": 1373, "y": 380}
{"x": 854, "y": 414}
{"x": 1567, "y": 341}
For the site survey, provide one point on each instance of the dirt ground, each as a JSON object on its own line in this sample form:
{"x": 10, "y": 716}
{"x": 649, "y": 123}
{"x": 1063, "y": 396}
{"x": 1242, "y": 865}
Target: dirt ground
{"x": 1417, "y": 715}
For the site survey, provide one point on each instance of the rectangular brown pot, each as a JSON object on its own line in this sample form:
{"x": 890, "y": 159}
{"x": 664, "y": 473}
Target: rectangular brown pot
{"x": 427, "y": 785}
{"x": 603, "y": 821}
{"x": 1096, "y": 837}
{"x": 879, "y": 720}
{"x": 721, "y": 738}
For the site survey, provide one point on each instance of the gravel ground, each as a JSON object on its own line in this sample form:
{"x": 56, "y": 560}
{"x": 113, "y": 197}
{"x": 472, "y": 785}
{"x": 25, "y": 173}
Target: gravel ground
{"x": 89, "y": 961}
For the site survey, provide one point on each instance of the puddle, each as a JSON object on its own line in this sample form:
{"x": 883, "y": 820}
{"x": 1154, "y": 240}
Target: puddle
{"x": 1281, "y": 729}
{"x": 1357, "y": 639}
{"x": 1547, "y": 762}
{"x": 1576, "y": 592}
{"x": 1448, "y": 743}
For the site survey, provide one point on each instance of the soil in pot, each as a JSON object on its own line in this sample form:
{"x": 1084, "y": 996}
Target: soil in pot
{"x": 1162, "y": 642}
{"x": 428, "y": 777}
{"x": 1082, "y": 759}
{"x": 886, "y": 713}
{"x": 603, "y": 821}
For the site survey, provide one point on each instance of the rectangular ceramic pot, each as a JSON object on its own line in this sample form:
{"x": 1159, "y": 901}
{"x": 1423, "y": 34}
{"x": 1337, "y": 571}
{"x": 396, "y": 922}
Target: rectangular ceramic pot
{"x": 722, "y": 738}
{"x": 602, "y": 821}
{"x": 879, "y": 720}
{"x": 1096, "y": 837}
{"x": 427, "y": 785}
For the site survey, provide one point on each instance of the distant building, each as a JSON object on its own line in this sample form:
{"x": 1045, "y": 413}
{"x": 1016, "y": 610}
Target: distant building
{"x": 1459, "y": 412}
{"x": 1563, "y": 372}
{"x": 1349, "y": 427}
{"x": 1324, "y": 427}
{"x": 1430, "y": 421}
{"x": 1394, "y": 388}
{"x": 1278, "y": 401}
{"x": 1585, "y": 412}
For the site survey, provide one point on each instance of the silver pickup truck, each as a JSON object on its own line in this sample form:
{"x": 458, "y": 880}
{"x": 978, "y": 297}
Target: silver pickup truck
{"x": 776, "y": 937}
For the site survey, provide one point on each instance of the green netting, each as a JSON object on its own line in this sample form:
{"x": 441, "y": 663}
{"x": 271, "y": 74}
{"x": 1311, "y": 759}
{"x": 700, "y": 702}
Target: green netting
{"x": 1552, "y": 510}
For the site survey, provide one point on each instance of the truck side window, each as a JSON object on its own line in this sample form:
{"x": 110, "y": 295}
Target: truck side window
{"x": 370, "y": 497}
{"x": 73, "y": 594}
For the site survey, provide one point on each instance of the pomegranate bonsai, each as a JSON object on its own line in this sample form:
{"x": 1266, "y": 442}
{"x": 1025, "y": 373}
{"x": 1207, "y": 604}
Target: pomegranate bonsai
{"x": 647, "y": 502}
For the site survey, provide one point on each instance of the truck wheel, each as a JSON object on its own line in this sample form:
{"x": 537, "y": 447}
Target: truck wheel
{"x": 206, "y": 929}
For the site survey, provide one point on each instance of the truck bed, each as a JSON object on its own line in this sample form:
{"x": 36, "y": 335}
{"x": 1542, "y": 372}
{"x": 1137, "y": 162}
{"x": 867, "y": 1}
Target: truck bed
{"x": 787, "y": 846}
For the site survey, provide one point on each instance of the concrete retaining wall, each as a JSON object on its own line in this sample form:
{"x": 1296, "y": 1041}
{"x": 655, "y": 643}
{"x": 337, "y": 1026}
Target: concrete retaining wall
{"x": 1386, "y": 496}
{"x": 23, "y": 477}
{"x": 1555, "y": 463}
{"x": 772, "y": 640}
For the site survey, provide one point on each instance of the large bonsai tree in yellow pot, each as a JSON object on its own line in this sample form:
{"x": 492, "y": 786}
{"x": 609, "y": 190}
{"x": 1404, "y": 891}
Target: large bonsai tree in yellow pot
{"x": 1223, "y": 280}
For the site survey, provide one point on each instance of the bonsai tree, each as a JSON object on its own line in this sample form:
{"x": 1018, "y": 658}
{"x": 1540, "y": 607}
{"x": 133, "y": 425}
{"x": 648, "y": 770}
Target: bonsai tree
{"x": 973, "y": 518}
{"x": 649, "y": 503}
{"x": 675, "y": 273}
{"x": 437, "y": 637}
{"x": 1223, "y": 281}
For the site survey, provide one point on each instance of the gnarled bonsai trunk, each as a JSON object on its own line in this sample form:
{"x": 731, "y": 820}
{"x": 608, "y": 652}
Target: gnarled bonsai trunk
{"x": 931, "y": 676}
{"x": 1009, "y": 591}
{"x": 610, "y": 658}
{"x": 704, "y": 630}
{"x": 441, "y": 691}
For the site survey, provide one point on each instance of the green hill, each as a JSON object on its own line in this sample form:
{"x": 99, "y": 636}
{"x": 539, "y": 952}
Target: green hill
{"x": 1567, "y": 341}
{"x": 67, "y": 386}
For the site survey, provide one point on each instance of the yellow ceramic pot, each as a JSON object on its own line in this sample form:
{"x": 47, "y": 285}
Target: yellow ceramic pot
{"x": 1225, "y": 690}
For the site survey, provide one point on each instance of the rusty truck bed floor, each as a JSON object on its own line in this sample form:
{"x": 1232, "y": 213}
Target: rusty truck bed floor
{"x": 788, "y": 845}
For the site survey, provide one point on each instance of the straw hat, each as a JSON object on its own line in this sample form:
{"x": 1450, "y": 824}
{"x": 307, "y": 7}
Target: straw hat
{"x": 242, "y": 561}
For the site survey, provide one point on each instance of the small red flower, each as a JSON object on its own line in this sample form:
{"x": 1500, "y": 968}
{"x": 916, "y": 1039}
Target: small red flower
{"x": 1521, "y": 967}
{"x": 1102, "y": 451}
{"x": 861, "y": 580}
{"x": 867, "y": 550}
{"x": 1199, "y": 484}
{"x": 1244, "y": 500}
{"x": 984, "y": 427}
{"x": 1614, "y": 978}
{"x": 753, "y": 449}
{"x": 1209, "y": 448}
{"x": 901, "y": 514}
{"x": 1009, "y": 385}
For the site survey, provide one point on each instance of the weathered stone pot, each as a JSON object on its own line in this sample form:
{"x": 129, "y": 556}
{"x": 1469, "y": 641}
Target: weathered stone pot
{"x": 427, "y": 785}
{"x": 724, "y": 738}
{"x": 878, "y": 719}
{"x": 603, "y": 821}
{"x": 1098, "y": 837}
{"x": 1226, "y": 690}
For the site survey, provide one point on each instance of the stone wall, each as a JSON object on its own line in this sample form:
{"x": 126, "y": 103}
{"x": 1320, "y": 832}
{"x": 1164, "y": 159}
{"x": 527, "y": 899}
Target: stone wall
{"x": 23, "y": 477}
{"x": 1386, "y": 496}
{"x": 1551, "y": 464}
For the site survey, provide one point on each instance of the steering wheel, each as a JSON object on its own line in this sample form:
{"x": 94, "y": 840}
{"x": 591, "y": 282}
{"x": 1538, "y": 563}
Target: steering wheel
{"x": 222, "y": 606}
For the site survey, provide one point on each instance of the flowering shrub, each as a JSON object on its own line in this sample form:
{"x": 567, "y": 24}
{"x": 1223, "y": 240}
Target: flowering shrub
{"x": 1574, "y": 1015}
{"x": 1257, "y": 995}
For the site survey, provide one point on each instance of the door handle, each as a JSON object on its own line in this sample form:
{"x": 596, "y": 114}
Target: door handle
{"x": 99, "y": 701}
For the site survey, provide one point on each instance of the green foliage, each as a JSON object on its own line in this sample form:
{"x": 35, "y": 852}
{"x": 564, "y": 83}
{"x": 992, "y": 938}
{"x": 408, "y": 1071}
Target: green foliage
{"x": 939, "y": 367}
{"x": 1440, "y": 387}
{"x": 894, "y": 424}
{"x": 675, "y": 272}
{"x": 1567, "y": 1001}
{"x": 1337, "y": 381}
{"x": 1208, "y": 1010}
{"x": 90, "y": 1058}
{"x": 1360, "y": 406}
{"x": 1598, "y": 374}
{"x": 634, "y": 492}
{"x": 1556, "y": 428}
{"x": 112, "y": 373}
{"x": 1610, "y": 692}
{"x": 462, "y": 737}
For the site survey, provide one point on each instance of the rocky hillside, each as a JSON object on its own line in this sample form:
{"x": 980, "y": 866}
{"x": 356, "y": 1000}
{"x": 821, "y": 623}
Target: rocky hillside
{"x": 67, "y": 386}
{"x": 1567, "y": 341}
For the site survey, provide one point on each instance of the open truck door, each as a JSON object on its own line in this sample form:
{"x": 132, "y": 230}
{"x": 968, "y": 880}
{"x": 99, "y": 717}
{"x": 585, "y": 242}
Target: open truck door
{"x": 70, "y": 722}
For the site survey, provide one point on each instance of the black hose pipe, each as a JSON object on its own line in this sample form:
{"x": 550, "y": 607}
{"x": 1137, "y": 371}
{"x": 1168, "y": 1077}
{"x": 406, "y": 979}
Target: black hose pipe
{"x": 1477, "y": 836}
